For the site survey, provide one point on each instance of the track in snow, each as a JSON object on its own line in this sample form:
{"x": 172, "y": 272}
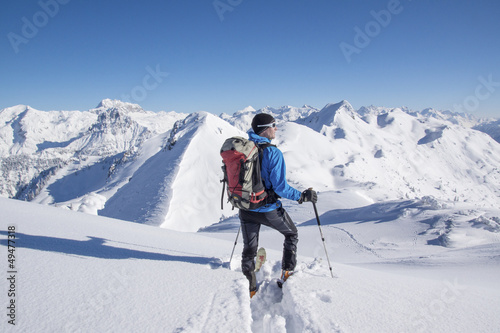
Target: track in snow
{"x": 277, "y": 310}
{"x": 358, "y": 243}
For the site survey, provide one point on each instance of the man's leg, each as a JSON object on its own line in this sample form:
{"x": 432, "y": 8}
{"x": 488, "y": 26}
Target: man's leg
{"x": 250, "y": 231}
{"x": 289, "y": 260}
{"x": 280, "y": 220}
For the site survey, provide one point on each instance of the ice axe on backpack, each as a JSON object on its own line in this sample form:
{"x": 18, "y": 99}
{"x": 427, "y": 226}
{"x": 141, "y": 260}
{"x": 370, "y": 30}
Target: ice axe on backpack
{"x": 322, "y": 237}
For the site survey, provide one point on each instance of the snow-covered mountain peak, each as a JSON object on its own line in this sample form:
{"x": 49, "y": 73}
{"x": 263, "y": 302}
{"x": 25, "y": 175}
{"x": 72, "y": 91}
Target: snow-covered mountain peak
{"x": 337, "y": 106}
{"x": 243, "y": 119}
{"x": 13, "y": 110}
{"x": 431, "y": 113}
{"x": 372, "y": 110}
{"x": 328, "y": 115}
{"x": 109, "y": 104}
{"x": 177, "y": 186}
{"x": 428, "y": 115}
{"x": 247, "y": 109}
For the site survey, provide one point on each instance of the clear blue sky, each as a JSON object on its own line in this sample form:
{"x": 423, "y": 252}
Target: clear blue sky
{"x": 223, "y": 55}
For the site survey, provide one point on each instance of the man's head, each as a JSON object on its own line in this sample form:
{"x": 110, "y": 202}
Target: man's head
{"x": 264, "y": 124}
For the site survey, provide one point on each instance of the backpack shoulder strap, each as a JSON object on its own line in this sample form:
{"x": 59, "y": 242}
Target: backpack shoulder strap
{"x": 265, "y": 145}
{"x": 271, "y": 195}
{"x": 262, "y": 147}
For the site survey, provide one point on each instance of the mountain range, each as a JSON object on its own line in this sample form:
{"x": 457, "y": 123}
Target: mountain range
{"x": 163, "y": 168}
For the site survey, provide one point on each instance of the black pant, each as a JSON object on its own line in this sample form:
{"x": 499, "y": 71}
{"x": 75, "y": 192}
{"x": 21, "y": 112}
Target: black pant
{"x": 277, "y": 219}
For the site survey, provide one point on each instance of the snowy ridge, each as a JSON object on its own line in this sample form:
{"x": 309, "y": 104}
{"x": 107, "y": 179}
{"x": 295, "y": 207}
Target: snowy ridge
{"x": 117, "y": 104}
{"x": 164, "y": 180}
{"x": 196, "y": 188}
{"x": 491, "y": 127}
{"x": 242, "y": 119}
{"x": 326, "y": 116}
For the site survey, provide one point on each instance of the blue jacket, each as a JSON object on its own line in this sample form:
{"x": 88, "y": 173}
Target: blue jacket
{"x": 274, "y": 173}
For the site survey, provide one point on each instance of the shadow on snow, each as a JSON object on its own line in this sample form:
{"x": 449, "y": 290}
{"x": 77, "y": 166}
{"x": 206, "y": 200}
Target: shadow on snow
{"x": 97, "y": 248}
{"x": 377, "y": 212}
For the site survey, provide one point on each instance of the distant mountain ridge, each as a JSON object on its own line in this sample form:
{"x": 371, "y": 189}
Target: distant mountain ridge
{"x": 163, "y": 168}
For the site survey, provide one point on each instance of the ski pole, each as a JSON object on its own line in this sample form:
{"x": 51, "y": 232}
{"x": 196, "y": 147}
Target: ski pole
{"x": 322, "y": 238}
{"x": 235, "y": 242}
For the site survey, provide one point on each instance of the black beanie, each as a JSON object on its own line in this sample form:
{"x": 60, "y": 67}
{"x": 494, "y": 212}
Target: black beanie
{"x": 261, "y": 119}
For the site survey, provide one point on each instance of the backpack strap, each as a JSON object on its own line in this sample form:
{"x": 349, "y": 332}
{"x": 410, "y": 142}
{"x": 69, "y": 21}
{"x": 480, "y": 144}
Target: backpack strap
{"x": 272, "y": 196}
{"x": 261, "y": 148}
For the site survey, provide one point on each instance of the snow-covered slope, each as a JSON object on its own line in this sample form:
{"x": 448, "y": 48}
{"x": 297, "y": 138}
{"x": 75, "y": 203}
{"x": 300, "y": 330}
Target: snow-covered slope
{"x": 492, "y": 128}
{"x": 395, "y": 155}
{"x": 76, "y": 272}
{"x": 179, "y": 187}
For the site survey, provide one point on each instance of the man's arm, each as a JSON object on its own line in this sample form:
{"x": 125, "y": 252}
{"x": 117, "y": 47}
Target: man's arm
{"x": 273, "y": 164}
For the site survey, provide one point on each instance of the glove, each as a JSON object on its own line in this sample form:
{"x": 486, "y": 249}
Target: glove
{"x": 308, "y": 195}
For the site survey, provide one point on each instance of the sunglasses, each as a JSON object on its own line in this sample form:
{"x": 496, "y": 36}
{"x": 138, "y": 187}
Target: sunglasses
{"x": 268, "y": 125}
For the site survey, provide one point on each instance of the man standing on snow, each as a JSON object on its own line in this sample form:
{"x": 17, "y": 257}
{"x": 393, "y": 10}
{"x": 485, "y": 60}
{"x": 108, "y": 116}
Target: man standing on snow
{"x": 272, "y": 214}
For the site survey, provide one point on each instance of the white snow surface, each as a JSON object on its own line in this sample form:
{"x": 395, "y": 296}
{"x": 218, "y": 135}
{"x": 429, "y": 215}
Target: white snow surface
{"x": 77, "y": 272}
